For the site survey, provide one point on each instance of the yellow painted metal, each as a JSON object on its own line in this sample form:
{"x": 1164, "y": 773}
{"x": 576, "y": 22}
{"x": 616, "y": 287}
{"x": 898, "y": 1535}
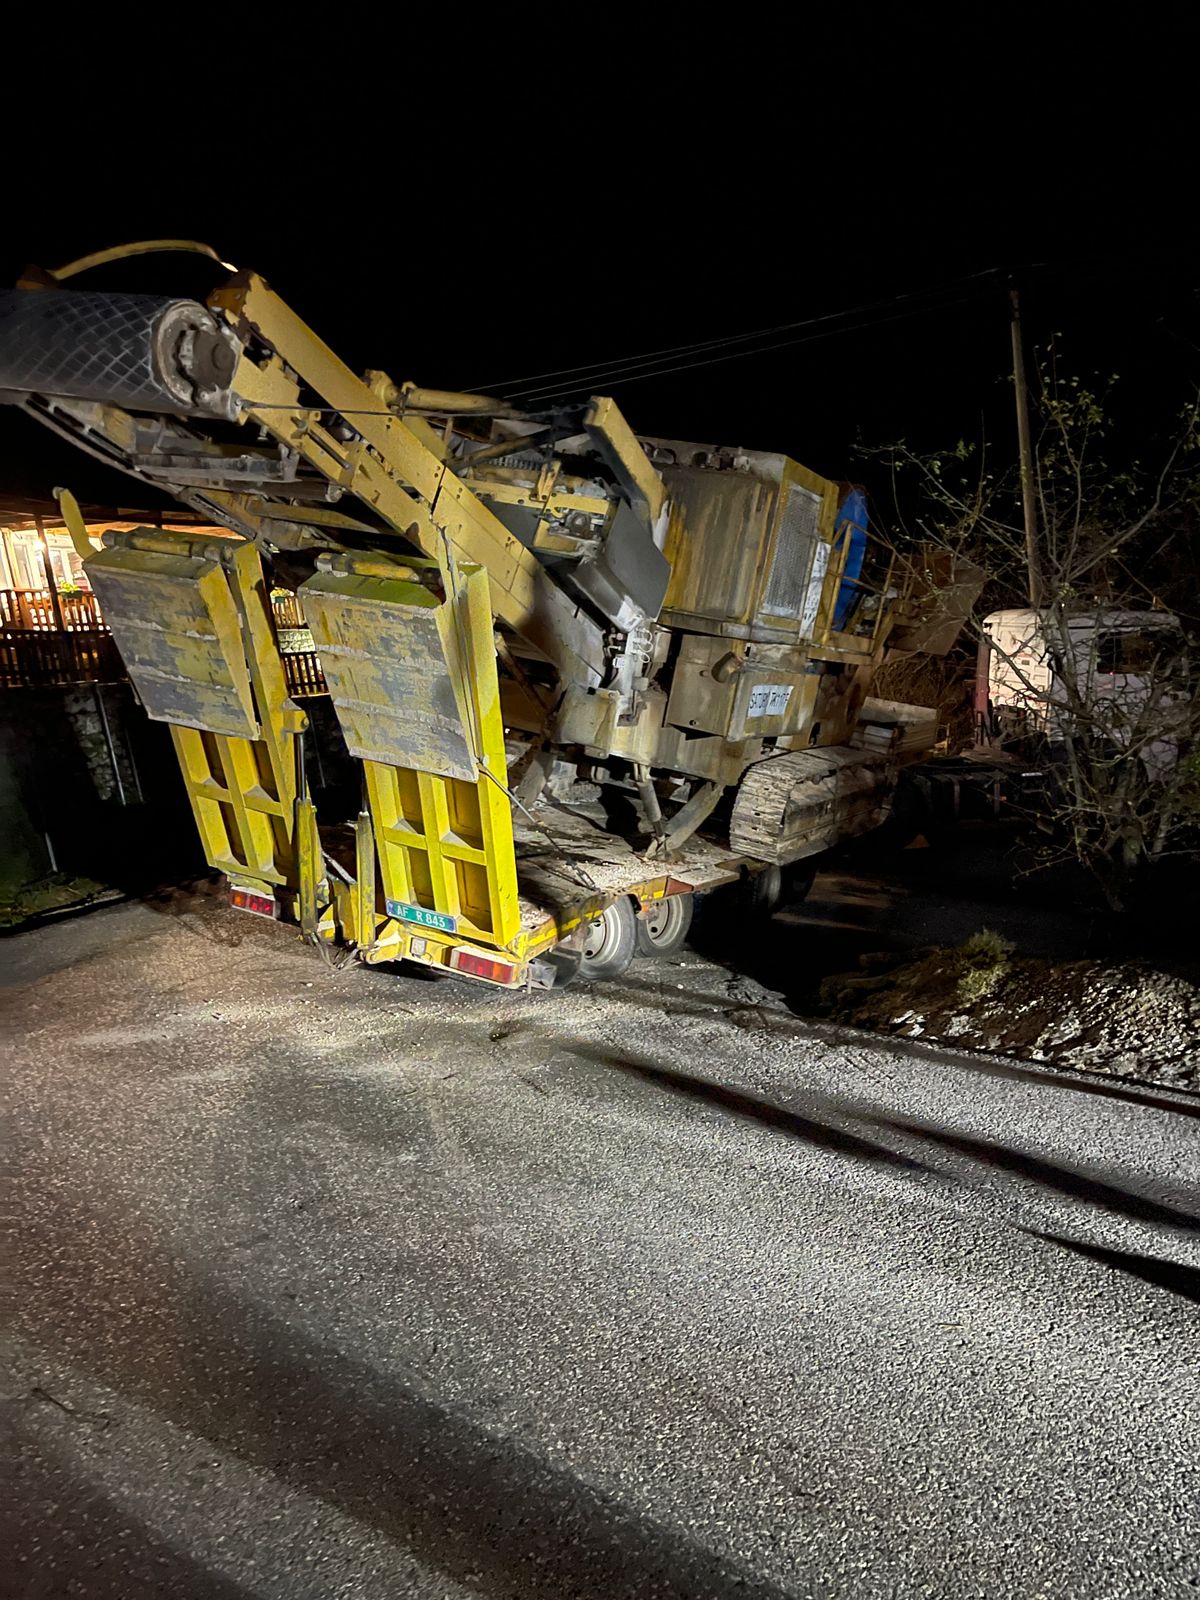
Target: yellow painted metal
{"x": 452, "y": 401}
{"x": 394, "y": 941}
{"x": 365, "y": 882}
{"x": 394, "y": 471}
{"x": 142, "y": 247}
{"x": 190, "y": 618}
{"x": 557, "y": 503}
{"x": 383, "y": 652}
{"x": 619, "y": 443}
{"x": 416, "y": 688}
{"x": 835, "y": 569}
{"x": 722, "y": 534}
{"x": 475, "y": 648}
{"x": 716, "y": 579}
{"x": 73, "y": 518}
{"x": 308, "y": 864}
{"x": 176, "y": 623}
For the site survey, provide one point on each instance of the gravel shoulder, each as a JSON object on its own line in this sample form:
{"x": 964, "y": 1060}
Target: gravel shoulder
{"x": 1124, "y": 1020}
{"x": 339, "y": 1283}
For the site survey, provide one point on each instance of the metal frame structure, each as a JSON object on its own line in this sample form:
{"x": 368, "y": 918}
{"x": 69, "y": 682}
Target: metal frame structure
{"x": 420, "y": 558}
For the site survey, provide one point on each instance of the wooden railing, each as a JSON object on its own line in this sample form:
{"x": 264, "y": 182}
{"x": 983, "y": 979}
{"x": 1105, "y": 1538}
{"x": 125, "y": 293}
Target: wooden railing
{"x": 303, "y": 673}
{"x": 32, "y": 610}
{"x": 35, "y": 658}
{"x": 301, "y": 664}
{"x": 36, "y": 653}
{"x": 41, "y": 647}
{"x": 287, "y": 610}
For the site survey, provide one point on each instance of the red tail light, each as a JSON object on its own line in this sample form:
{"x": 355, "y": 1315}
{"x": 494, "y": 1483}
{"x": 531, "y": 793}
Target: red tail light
{"x": 263, "y": 905}
{"x": 480, "y": 966}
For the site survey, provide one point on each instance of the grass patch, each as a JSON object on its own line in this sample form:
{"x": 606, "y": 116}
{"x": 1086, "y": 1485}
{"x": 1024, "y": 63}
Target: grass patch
{"x": 983, "y": 962}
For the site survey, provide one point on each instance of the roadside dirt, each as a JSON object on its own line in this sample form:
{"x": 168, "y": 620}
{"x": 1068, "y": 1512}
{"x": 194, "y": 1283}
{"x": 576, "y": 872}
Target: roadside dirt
{"x": 1095, "y": 1016}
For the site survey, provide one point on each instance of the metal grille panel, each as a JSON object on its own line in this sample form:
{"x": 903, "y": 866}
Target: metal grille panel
{"x": 794, "y": 544}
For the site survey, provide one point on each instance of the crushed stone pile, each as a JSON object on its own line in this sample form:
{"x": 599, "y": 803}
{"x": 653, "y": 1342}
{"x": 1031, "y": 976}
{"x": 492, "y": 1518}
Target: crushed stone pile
{"x": 1091, "y": 1016}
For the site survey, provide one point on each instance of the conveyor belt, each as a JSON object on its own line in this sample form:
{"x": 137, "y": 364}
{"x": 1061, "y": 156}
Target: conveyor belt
{"x": 121, "y": 349}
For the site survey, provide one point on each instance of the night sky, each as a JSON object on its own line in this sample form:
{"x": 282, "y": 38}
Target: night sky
{"x": 486, "y": 205}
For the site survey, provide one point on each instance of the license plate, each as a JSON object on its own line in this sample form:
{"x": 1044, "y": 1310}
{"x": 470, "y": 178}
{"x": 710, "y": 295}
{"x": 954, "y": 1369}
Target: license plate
{"x": 422, "y": 918}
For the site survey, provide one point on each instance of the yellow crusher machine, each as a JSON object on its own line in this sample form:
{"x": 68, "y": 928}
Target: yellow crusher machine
{"x": 583, "y": 674}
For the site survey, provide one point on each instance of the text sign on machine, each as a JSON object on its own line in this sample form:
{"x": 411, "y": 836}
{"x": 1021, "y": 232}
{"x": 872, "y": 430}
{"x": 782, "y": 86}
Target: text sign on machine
{"x": 423, "y": 918}
{"x": 768, "y": 700}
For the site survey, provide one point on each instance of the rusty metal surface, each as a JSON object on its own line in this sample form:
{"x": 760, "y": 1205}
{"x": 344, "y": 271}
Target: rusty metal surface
{"x": 177, "y": 628}
{"x": 716, "y": 543}
{"x": 382, "y": 656}
{"x": 796, "y": 805}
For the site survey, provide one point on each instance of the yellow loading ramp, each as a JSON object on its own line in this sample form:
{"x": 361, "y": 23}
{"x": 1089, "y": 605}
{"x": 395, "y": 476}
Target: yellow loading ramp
{"x": 415, "y": 686}
{"x": 190, "y": 619}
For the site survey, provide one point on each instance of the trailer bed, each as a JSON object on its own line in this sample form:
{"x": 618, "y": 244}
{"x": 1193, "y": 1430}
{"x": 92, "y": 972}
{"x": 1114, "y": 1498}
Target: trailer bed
{"x": 566, "y": 858}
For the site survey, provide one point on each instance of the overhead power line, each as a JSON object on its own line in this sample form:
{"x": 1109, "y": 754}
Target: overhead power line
{"x": 548, "y": 396}
{"x": 585, "y": 373}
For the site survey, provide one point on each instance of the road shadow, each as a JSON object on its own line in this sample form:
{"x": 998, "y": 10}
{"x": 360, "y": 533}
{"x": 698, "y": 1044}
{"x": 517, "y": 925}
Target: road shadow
{"x": 1072, "y": 1183}
{"x": 1169, "y": 1275}
{"x": 101, "y": 1551}
{"x": 261, "y": 1380}
{"x": 709, "y": 1004}
{"x": 751, "y": 1107}
{"x": 260, "y": 1375}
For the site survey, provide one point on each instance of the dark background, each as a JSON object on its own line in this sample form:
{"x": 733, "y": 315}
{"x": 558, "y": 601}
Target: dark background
{"x": 462, "y": 204}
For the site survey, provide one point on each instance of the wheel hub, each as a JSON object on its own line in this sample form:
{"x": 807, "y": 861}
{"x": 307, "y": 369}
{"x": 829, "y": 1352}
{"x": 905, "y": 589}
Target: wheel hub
{"x": 597, "y": 938}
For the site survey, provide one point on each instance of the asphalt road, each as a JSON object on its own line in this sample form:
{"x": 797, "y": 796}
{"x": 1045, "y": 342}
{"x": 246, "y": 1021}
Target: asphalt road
{"x": 336, "y": 1283}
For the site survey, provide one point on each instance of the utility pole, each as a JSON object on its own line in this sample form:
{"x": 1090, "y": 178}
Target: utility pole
{"x": 1025, "y": 447}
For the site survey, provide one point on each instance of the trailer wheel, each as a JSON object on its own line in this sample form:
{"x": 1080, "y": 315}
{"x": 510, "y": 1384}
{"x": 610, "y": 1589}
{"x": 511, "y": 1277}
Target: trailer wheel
{"x": 609, "y": 941}
{"x": 798, "y": 879}
{"x": 764, "y": 891}
{"x": 662, "y": 929}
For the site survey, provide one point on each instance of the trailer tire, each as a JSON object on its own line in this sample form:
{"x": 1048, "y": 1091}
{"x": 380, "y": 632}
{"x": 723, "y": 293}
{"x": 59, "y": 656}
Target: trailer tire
{"x": 609, "y": 941}
{"x": 751, "y": 898}
{"x": 664, "y": 927}
{"x": 764, "y": 891}
{"x": 798, "y": 880}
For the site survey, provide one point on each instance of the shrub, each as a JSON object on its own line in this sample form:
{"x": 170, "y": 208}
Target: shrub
{"x": 983, "y": 963}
